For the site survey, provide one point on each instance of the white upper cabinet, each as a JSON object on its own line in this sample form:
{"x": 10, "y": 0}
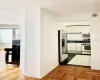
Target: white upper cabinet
{"x": 85, "y": 29}
{"x": 75, "y": 29}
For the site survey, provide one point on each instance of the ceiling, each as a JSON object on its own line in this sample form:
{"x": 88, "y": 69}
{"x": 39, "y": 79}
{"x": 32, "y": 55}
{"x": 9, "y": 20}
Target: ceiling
{"x": 71, "y": 7}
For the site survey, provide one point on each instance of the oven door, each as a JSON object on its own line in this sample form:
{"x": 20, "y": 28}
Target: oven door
{"x": 87, "y": 47}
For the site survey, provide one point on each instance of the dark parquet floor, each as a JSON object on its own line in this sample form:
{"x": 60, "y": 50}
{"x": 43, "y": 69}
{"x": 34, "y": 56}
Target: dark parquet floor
{"x": 72, "y": 73}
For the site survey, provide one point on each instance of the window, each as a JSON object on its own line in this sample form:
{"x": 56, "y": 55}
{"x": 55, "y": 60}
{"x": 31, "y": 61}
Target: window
{"x": 5, "y": 35}
{"x": 17, "y": 34}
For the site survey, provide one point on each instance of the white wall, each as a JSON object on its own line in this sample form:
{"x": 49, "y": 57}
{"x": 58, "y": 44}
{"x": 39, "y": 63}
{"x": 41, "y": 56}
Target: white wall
{"x": 49, "y": 42}
{"x": 7, "y": 18}
{"x": 95, "y": 42}
{"x": 22, "y": 38}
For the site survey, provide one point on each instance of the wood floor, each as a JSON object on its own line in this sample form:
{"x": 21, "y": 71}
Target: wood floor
{"x": 13, "y": 72}
{"x": 72, "y": 73}
{"x": 59, "y": 73}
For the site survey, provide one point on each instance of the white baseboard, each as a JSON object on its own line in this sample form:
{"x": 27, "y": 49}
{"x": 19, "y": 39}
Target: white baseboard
{"x": 30, "y": 75}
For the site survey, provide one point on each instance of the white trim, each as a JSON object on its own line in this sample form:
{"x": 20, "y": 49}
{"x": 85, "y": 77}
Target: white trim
{"x": 22, "y": 38}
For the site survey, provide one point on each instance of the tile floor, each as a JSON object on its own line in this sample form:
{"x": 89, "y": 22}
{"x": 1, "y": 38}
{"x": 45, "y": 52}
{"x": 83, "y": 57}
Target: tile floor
{"x": 84, "y": 60}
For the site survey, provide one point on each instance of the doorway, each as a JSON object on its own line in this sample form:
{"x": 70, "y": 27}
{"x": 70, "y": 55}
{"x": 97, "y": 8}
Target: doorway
{"x": 9, "y": 47}
{"x": 75, "y": 45}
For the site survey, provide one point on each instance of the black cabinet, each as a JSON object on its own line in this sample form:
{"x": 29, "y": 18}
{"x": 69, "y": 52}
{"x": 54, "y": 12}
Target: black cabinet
{"x": 15, "y": 55}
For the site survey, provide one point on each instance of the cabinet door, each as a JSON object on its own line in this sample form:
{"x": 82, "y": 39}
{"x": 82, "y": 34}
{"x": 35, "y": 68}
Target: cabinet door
{"x": 85, "y": 29}
{"x": 74, "y": 37}
{"x": 75, "y": 29}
